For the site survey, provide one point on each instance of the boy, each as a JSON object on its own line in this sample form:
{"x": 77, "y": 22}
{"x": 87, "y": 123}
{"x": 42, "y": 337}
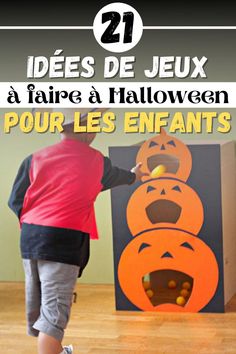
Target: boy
{"x": 53, "y": 196}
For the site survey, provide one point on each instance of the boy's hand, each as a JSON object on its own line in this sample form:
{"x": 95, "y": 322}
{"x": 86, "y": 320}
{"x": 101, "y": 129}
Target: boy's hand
{"x": 139, "y": 174}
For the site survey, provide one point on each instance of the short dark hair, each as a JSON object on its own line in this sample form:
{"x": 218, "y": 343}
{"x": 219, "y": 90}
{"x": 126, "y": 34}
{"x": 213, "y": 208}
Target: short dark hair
{"x": 68, "y": 128}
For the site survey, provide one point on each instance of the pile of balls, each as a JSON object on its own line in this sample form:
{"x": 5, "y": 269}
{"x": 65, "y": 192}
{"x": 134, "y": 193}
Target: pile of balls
{"x": 184, "y": 292}
{"x": 172, "y": 284}
{"x": 147, "y": 287}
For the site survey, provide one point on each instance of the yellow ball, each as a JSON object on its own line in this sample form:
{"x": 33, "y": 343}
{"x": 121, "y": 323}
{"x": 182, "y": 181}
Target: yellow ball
{"x": 186, "y": 285}
{"x": 180, "y": 301}
{"x": 172, "y": 284}
{"x": 184, "y": 293}
{"x": 158, "y": 171}
{"x": 149, "y": 293}
{"x": 147, "y": 285}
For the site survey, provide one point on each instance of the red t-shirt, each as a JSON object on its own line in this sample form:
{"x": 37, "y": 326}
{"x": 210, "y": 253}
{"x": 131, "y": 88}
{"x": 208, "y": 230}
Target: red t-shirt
{"x": 65, "y": 180}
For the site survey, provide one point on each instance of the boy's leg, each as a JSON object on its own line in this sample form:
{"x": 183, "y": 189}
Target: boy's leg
{"x": 32, "y": 294}
{"x": 57, "y": 286}
{"x": 48, "y": 345}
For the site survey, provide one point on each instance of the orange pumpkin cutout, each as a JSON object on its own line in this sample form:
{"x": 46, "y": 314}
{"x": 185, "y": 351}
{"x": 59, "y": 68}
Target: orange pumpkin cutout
{"x": 164, "y": 203}
{"x": 162, "y": 250}
{"x": 168, "y": 151}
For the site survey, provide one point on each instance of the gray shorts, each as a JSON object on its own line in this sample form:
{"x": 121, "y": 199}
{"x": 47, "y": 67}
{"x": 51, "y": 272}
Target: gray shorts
{"x": 49, "y": 289}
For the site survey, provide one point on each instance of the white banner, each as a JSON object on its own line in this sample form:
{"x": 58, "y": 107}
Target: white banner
{"x": 118, "y": 94}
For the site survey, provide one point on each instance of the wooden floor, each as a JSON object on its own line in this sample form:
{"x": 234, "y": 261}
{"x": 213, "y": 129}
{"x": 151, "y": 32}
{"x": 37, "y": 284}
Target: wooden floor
{"x": 95, "y": 327}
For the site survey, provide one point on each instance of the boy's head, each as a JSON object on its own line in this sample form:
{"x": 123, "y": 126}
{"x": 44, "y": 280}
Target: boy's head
{"x": 68, "y": 125}
{"x": 68, "y": 132}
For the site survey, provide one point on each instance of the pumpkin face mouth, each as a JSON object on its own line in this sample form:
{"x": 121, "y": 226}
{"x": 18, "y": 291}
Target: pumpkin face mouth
{"x": 171, "y": 162}
{"x": 163, "y": 211}
{"x": 161, "y": 292}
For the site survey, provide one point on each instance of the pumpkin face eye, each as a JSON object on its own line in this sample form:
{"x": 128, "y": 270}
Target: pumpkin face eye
{"x": 150, "y": 189}
{"x": 187, "y": 245}
{"x": 143, "y": 245}
{"x": 177, "y": 189}
{"x": 172, "y": 143}
{"x": 153, "y": 143}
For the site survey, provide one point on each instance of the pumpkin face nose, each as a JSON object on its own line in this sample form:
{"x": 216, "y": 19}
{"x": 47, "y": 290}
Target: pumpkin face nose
{"x": 163, "y": 147}
{"x": 167, "y": 255}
